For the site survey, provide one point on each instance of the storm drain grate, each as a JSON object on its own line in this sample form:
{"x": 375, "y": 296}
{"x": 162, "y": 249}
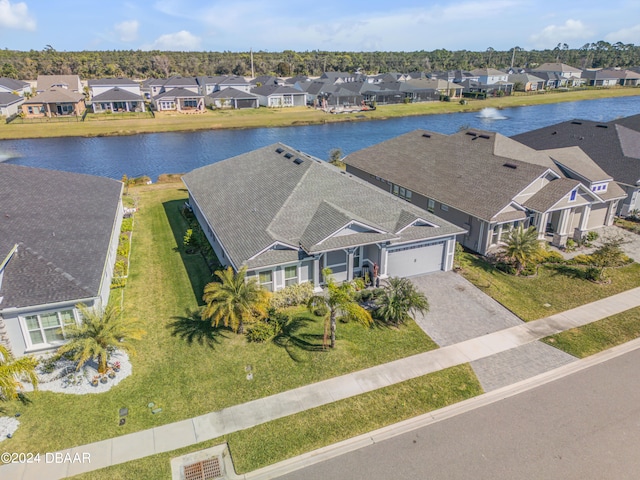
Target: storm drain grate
{"x": 205, "y": 470}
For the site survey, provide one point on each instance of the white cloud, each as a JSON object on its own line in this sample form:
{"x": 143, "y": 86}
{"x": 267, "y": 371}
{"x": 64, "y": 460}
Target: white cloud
{"x": 551, "y": 35}
{"x": 624, "y": 35}
{"x": 127, "y": 30}
{"x": 179, "y": 41}
{"x": 16, "y": 16}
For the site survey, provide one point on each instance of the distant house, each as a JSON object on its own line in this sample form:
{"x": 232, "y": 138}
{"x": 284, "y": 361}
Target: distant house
{"x": 65, "y": 82}
{"x": 209, "y": 85}
{"x": 10, "y": 104}
{"x": 179, "y": 100}
{"x": 54, "y": 102}
{"x": 609, "y": 77}
{"x": 613, "y": 146}
{"x": 58, "y": 239}
{"x": 19, "y": 87}
{"x": 527, "y": 82}
{"x": 561, "y": 69}
{"x": 279, "y": 96}
{"x": 489, "y": 184}
{"x": 490, "y": 76}
{"x": 232, "y": 98}
{"x": 314, "y": 216}
{"x": 116, "y": 95}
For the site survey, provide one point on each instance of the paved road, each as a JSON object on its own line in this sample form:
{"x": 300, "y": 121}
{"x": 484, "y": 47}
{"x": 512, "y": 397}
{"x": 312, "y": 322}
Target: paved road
{"x": 583, "y": 426}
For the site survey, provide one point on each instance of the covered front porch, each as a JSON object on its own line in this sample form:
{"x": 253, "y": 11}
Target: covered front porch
{"x": 557, "y": 226}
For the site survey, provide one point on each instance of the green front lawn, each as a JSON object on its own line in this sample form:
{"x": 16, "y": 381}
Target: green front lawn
{"x": 186, "y": 367}
{"x": 598, "y": 336}
{"x": 554, "y": 289}
{"x": 287, "y": 437}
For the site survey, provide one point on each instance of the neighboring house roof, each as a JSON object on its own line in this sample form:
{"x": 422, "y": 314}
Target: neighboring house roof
{"x": 476, "y": 172}
{"x": 231, "y": 92}
{"x": 178, "y": 93}
{"x": 632, "y": 122}
{"x": 72, "y": 82}
{"x": 7, "y": 99}
{"x": 111, "y": 82}
{"x": 267, "y": 90}
{"x": 579, "y": 162}
{"x": 557, "y": 67}
{"x": 264, "y": 197}
{"x": 11, "y": 84}
{"x": 615, "y": 148}
{"x": 491, "y": 72}
{"x": 55, "y": 95}
{"x": 178, "y": 81}
{"x": 524, "y": 78}
{"x": 62, "y": 223}
{"x": 117, "y": 95}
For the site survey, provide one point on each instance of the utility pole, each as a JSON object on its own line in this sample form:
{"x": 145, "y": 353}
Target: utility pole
{"x": 253, "y": 74}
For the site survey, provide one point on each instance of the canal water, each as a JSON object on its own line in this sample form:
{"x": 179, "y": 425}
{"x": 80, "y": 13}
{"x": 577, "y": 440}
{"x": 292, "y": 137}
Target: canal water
{"x": 153, "y": 154}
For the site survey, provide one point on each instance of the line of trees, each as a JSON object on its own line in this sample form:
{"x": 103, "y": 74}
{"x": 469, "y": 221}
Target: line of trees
{"x": 146, "y": 64}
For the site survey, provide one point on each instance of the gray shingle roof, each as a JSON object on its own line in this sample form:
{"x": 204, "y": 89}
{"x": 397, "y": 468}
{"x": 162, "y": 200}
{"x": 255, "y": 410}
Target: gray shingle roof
{"x": 12, "y": 84}
{"x": 63, "y": 224}
{"x": 231, "y": 92}
{"x": 262, "y": 197}
{"x": 611, "y": 146}
{"x": 111, "y": 82}
{"x": 55, "y": 95}
{"x": 177, "y": 93}
{"x": 466, "y": 171}
{"x": 9, "y": 98}
{"x": 117, "y": 95}
{"x": 45, "y": 82}
{"x": 551, "y": 194}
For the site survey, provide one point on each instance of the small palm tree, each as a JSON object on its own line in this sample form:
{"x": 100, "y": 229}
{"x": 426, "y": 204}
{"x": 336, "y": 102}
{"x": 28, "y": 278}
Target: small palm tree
{"x": 522, "y": 247}
{"x": 338, "y": 300}
{"x": 234, "y": 300}
{"x": 11, "y": 370}
{"x": 399, "y": 300}
{"x": 99, "y": 335}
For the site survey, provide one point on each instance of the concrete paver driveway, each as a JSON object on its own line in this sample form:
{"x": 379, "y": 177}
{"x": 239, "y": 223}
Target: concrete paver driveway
{"x": 458, "y": 310}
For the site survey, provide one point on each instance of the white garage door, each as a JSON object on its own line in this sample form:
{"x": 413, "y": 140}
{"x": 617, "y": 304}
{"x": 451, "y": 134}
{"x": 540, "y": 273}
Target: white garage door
{"x": 415, "y": 259}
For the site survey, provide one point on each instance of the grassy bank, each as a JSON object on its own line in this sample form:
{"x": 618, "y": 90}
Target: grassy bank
{"x": 284, "y": 117}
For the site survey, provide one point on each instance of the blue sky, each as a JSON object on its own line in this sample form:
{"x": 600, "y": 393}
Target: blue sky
{"x": 276, "y": 25}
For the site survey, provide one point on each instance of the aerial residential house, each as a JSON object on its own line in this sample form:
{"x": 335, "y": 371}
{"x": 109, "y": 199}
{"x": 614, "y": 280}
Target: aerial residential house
{"x": 610, "y": 77}
{"x": 10, "y": 104}
{"x": 489, "y": 184}
{"x": 442, "y": 87}
{"x": 526, "y": 82}
{"x": 285, "y": 216}
{"x": 266, "y": 80}
{"x": 559, "y": 75}
{"x": 59, "y": 235}
{"x": 490, "y": 76}
{"x": 64, "y": 82}
{"x": 179, "y": 100}
{"x": 116, "y": 95}
{"x": 232, "y": 98}
{"x": 55, "y": 102}
{"x": 17, "y": 87}
{"x": 613, "y": 146}
{"x": 279, "y": 96}
{"x": 209, "y": 85}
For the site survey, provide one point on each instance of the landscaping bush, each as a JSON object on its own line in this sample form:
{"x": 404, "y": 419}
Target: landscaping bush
{"x": 120, "y": 268}
{"x": 123, "y": 246}
{"x": 260, "y": 332}
{"x": 551, "y": 256}
{"x": 298, "y": 294}
{"x": 127, "y": 225}
{"x": 592, "y": 274}
{"x": 591, "y": 236}
{"x": 581, "y": 260}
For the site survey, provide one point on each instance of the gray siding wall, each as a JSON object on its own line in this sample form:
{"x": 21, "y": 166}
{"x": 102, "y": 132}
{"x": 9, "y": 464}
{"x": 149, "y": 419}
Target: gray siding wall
{"x": 213, "y": 240}
{"x": 105, "y": 287}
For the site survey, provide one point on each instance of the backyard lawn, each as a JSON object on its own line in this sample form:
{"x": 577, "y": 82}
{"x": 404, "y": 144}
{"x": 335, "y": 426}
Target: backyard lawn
{"x": 554, "y": 289}
{"x": 184, "y": 366}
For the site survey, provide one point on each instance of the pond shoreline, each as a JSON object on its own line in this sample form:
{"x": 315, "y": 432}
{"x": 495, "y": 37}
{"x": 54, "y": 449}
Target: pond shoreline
{"x": 292, "y": 117}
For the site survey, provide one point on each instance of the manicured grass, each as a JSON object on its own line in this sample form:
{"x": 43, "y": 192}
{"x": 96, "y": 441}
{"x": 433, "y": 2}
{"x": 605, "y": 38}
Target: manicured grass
{"x": 290, "y": 436}
{"x": 561, "y": 287}
{"x": 598, "y": 336}
{"x": 186, "y": 378}
{"x": 279, "y": 117}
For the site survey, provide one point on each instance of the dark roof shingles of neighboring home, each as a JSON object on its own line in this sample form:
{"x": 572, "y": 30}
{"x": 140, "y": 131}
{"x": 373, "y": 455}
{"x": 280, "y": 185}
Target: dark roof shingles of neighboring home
{"x": 462, "y": 170}
{"x": 111, "y": 82}
{"x": 602, "y": 142}
{"x": 117, "y": 95}
{"x": 177, "y": 93}
{"x": 262, "y": 197}
{"x": 267, "y": 90}
{"x": 231, "y": 92}
{"x": 9, "y": 98}
{"x": 12, "y": 84}
{"x": 64, "y": 223}
{"x": 56, "y": 95}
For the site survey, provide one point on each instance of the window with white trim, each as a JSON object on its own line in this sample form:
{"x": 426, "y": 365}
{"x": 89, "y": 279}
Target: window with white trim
{"x": 290, "y": 275}
{"x": 48, "y": 327}
{"x": 266, "y": 280}
{"x": 356, "y": 257}
{"x": 572, "y": 196}
{"x": 431, "y": 205}
{"x": 444, "y": 207}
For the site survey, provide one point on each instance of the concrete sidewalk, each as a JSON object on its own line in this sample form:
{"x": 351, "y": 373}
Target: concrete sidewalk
{"x": 206, "y": 427}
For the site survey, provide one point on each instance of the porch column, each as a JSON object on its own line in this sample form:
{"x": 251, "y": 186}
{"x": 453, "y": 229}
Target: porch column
{"x": 316, "y": 274}
{"x": 541, "y": 224}
{"x": 560, "y": 236}
{"x": 126, "y": 106}
{"x": 350, "y": 264}
{"x": 383, "y": 261}
{"x": 584, "y": 220}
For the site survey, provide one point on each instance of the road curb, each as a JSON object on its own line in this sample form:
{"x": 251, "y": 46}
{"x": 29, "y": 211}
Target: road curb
{"x": 337, "y": 449}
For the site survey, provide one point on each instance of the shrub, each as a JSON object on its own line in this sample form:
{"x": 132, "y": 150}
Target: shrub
{"x": 551, "y": 256}
{"x": 298, "y": 294}
{"x": 120, "y": 269}
{"x": 127, "y": 225}
{"x": 570, "y": 246}
{"x": 123, "y": 247}
{"x": 592, "y": 274}
{"x": 260, "y": 332}
{"x": 591, "y": 236}
{"x": 188, "y": 238}
{"x": 581, "y": 260}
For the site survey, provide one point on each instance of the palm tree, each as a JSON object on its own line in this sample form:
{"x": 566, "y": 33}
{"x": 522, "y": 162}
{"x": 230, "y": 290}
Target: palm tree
{"x": 399, "y": 299}
{"x": 11, "y": 370}
{"x": 99, "y": 335}
{"x": 522, "y": 247}
{"x": 338, "y": 300}
{"x": 234, "y": 300}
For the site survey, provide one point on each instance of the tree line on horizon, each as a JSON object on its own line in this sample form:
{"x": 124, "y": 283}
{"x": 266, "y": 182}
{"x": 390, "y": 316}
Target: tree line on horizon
{"x": 161, "y": 64}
